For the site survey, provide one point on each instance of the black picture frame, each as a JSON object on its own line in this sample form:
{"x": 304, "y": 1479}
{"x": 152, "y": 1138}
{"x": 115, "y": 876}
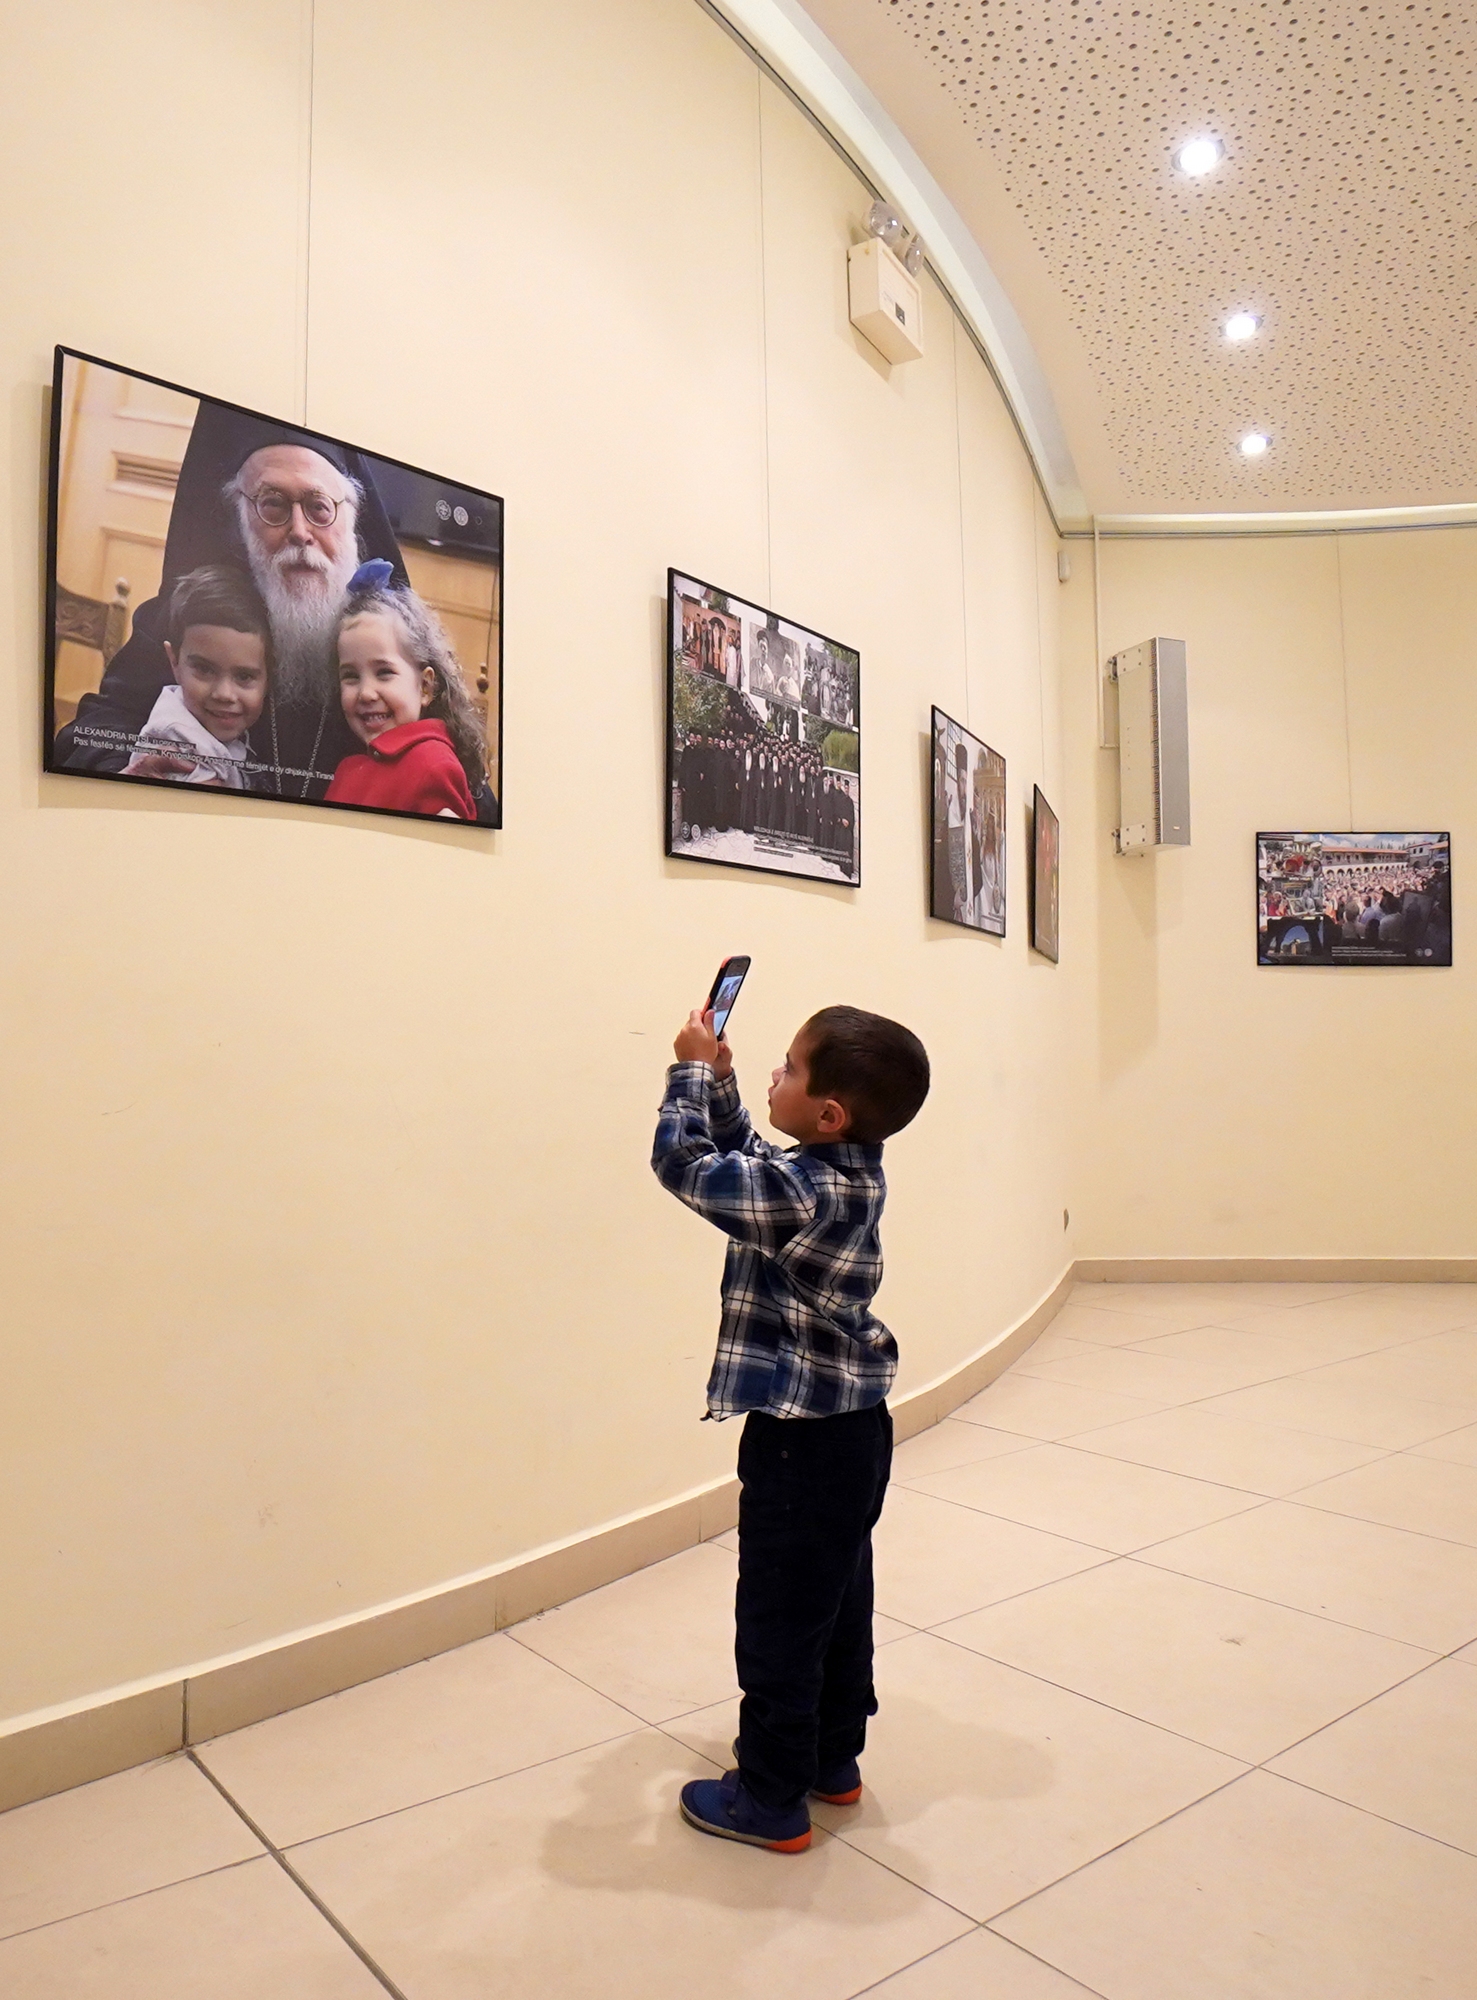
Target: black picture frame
{"x": 741, "y": 697}
{"x": 469, "y": 523}
{"x": 1046, "y": 861}
{"x": 1315, "y": 904}
{"x": 968, "y": 873}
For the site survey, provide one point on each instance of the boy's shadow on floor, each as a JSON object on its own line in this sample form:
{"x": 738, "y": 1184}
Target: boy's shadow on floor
{"x": 625, "y": 1833}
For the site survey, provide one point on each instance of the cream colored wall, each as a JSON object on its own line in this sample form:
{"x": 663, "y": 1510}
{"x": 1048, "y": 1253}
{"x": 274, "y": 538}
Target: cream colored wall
{"x": 334, "y": 1268}
{"x": 1232, "y": 1110}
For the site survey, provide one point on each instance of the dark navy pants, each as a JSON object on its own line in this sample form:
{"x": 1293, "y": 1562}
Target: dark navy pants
{"x": 812, "y": 1490}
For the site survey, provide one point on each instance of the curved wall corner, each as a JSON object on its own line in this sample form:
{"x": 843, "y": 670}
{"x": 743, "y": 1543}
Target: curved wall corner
{"x": 335, "y": 1268}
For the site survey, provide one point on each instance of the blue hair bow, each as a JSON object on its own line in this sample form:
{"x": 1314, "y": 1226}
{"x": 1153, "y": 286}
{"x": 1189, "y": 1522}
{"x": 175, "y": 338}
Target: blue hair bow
{"x": 371, "y": 575}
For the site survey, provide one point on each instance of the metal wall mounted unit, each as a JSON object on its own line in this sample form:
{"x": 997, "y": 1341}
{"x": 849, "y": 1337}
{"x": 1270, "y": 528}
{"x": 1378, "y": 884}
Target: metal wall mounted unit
{"x": 1153, "y": 746}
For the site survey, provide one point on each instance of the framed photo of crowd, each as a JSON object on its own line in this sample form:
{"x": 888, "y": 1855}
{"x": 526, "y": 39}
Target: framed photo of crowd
{"x": 1353, "y": 899}
{"x": 763, "y": 738}
{"x": 967, "y": 829}
{"x": 238, "y": 604}
{"x": 1046, "y": 894}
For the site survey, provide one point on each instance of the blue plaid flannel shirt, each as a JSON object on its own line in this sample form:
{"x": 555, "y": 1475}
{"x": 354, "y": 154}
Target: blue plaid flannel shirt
{"x": 797, "y": 1336}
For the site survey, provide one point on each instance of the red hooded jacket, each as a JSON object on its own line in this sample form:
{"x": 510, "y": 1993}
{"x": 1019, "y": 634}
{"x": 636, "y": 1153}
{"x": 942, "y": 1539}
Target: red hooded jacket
{"x": 411, "y": 768}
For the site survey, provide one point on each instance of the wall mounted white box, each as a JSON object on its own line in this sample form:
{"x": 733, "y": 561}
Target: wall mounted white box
{"x": 1153, "y": 746}
{"x": 886, "y": 304}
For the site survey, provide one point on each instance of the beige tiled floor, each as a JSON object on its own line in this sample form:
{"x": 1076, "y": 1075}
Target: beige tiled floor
{"x": 1178, "y": 1673}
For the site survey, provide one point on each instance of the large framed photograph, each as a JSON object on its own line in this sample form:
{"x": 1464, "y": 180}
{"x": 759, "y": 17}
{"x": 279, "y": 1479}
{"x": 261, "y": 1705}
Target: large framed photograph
{"x": 1046, "y": 895}
{"x": 241, "y": 605}
{"x": 967, "y": 830}
{"x": 763, "y": 738}
{"x": 1353, "y": 898}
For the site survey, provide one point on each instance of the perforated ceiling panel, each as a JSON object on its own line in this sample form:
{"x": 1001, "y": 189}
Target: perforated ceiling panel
{"x": 1342, "y": 213}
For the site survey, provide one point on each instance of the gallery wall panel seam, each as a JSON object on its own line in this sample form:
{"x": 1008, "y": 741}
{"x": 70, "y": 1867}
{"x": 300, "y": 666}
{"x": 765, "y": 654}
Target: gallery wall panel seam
{"x": 1338, "y": 551}
{"x": 305, "y": 219}
{"x": 759, "y": 80}
{"x": 963, "y": 549}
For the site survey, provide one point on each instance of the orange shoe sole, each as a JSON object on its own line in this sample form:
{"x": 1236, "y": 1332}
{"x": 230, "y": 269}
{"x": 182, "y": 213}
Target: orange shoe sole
{"x": 838, "y": 1798}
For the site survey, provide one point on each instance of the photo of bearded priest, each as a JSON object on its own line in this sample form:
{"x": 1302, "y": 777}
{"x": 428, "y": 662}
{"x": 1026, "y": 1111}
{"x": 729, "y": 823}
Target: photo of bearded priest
{"x": 302, "y": 513}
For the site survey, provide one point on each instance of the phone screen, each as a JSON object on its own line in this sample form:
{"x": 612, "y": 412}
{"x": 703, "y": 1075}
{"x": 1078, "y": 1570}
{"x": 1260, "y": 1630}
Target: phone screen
{"x": 731, "y": 975}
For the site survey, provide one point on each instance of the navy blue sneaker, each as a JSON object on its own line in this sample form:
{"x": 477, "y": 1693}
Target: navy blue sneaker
{"x": 841, "y": 1787}
{"x": 721, "y": 1806}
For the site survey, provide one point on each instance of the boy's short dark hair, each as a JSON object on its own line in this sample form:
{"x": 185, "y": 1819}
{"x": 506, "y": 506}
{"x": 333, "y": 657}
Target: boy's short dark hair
{"x": 876, "y": 1068}
{"x": 219, "y": 594}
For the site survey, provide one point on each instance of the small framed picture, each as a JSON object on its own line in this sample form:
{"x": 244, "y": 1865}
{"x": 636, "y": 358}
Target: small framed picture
{"x": 763, "y": 738}
{"x": 1353, "y": 899}
{"x": 967, "y": 829}
{"x": 1046, "y": 849}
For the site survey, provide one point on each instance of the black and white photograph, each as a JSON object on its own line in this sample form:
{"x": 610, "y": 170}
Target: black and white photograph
{"x": 764, "y": 750}
{"x": 967, "y": 832}
{"x": 1353, "y": 899}
{"x": 1046, "y": 892}
{"x": 238, "y": 604}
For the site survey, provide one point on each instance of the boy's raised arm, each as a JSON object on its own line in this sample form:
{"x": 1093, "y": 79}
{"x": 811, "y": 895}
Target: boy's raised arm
{"x": 732, "y": 1127}
{"x": 751, "y": 1191}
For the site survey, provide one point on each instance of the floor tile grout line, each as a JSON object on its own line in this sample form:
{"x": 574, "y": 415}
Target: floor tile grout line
{"x": 896, "y": 1971}
{"x": 335, "y": 1923}
{"x": 136, "y": 1896}
{"x": 1218, "y": 1326}
{"x": 1110, "y": 1707}
{"x": 1213, "y": 1396}
{"x": 1369, "y": 1812}
{"x": 455, "y": 1791}
{"x": 1359, "y": 1706}
{"x": 1257, "y": 1500}
{"x": 1199, "y": 1402}
{"x": 1078, "y": 1443}
{"x": 1137, "y": 1312}
{"x": 1064, "y": 1381}
{"x": 948, "y": 1945}
{"x": 1240, "y": 1777}
{"x": 1013, "y": 1596}
{"x": 642, "y": 1721}
{"x": 1188, "y": 1576}
{"x": 1369, "y": 1521}
{"x": 1145, "y": 1556}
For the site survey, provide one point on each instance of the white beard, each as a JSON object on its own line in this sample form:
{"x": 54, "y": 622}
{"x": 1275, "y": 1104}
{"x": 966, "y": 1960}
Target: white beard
{"x": 303, "y": 614}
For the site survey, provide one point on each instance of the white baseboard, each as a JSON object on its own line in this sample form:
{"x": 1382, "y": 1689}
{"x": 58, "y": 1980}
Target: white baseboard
{"x": 1276, "y": 1270}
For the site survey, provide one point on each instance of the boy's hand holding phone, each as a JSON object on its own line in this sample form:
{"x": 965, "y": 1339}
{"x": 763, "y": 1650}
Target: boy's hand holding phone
{"x": 696, "y": 1042}
{"x": 702, "y": 1039}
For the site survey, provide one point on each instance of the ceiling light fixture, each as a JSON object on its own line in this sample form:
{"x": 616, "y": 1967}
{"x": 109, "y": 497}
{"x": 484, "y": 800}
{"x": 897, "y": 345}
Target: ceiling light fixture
{"x": 1199, "y": 156}
{"x": 1241, "y": 326}
{"x": 1254, "y": 444}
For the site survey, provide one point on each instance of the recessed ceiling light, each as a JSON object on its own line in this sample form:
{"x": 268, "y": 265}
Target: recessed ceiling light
{"x": 1254, "y": 444}
{"x": 1199, "y": 156}
{"x": 1241, "y": 326}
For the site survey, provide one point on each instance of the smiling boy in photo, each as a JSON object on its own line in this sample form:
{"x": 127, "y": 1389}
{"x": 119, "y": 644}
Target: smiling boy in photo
{"x": 217, "y": 648}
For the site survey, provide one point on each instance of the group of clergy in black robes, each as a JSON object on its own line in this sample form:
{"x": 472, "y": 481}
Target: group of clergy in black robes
{"x": 767, "y": 787}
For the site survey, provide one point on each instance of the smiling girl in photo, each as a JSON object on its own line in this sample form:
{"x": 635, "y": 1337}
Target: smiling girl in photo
{"x": 404, "y": 697}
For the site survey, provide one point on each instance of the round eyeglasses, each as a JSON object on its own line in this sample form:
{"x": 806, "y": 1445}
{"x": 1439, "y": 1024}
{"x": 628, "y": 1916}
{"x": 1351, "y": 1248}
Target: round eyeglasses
{"x": 276, "y": 509}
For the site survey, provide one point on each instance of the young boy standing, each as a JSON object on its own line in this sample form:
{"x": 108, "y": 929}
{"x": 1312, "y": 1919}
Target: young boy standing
{"x": 802, "y": 1357}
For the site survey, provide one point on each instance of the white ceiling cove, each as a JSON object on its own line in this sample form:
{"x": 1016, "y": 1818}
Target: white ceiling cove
{"x": 1343, "y": 214}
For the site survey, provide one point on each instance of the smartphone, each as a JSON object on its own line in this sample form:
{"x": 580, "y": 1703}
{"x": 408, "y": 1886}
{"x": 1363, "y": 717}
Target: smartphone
{"x": 731, "y": 975}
